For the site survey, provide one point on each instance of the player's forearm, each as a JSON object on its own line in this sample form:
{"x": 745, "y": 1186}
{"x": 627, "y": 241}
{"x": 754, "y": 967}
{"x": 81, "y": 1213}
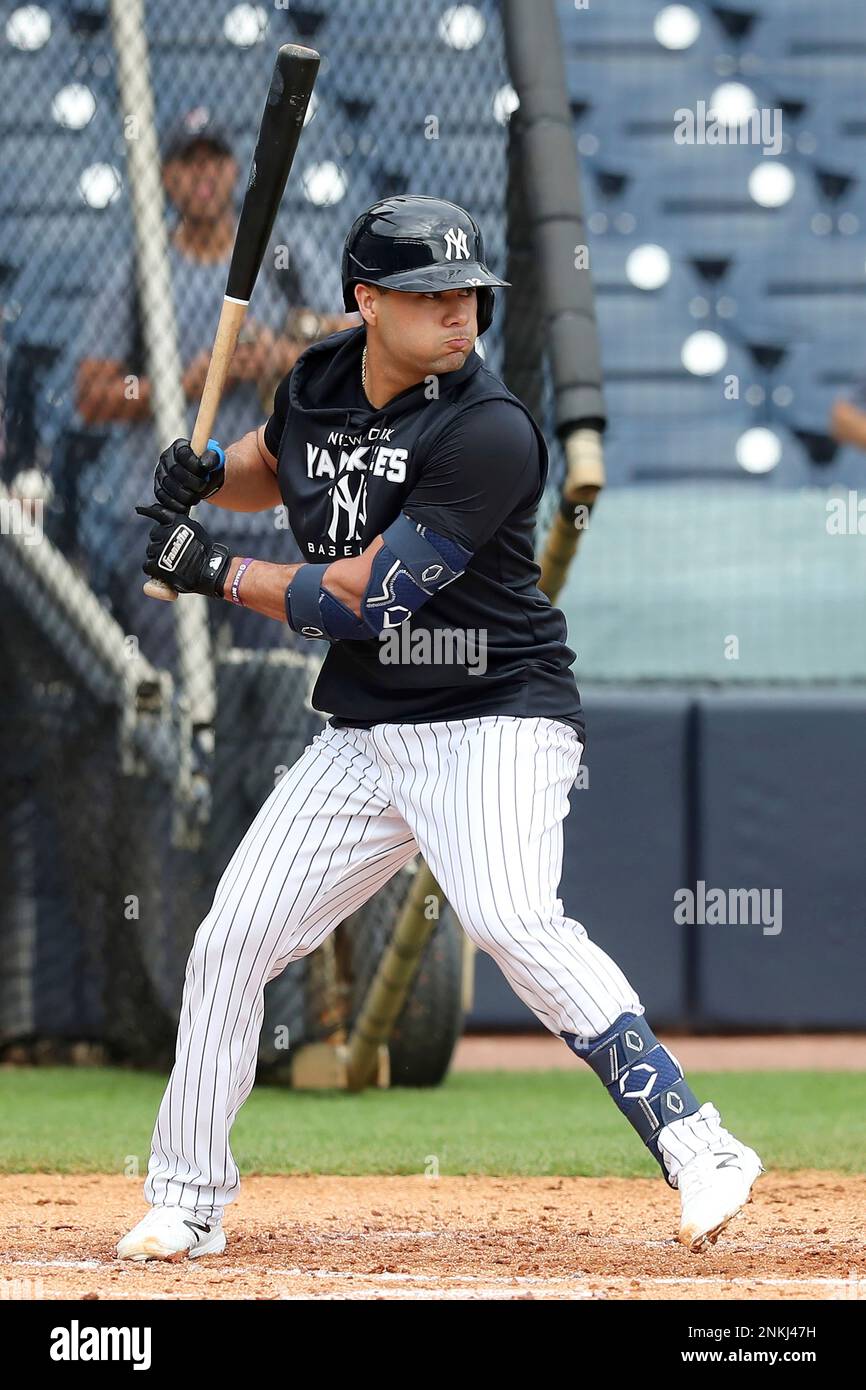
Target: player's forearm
{"x": 848, "y": 424}
{"x": 250, "y": 483}
{"x": 262, "y": 586}
{"x": 348, "y": 579}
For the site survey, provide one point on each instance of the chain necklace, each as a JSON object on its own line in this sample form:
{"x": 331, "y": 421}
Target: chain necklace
{"x": 364, "y": 370}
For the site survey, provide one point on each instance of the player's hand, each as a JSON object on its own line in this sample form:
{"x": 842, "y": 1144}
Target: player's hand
{"x": 182, "y": 554}
{"x": 182, "y": 478}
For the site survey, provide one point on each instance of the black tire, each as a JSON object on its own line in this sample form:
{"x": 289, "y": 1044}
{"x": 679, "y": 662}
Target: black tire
{"x": 430, "y": 1023}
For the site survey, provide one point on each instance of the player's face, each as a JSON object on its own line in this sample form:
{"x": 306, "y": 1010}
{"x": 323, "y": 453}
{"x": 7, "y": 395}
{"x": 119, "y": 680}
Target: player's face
{"x": 429, "y": 333}
{"x": 200, "y": 183}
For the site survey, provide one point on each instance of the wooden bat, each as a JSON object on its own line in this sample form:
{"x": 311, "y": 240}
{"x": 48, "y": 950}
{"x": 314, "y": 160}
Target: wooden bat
{"x": 280, "y": 129}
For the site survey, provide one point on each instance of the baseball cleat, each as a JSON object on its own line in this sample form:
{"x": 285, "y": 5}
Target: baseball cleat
{"x": 172, "y": 1233}
{"x": 714, "y": 1186}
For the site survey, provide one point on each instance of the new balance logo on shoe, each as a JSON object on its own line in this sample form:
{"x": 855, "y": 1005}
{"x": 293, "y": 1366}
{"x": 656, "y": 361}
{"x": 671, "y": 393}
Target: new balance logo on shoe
{"x": 197, "y": 1226}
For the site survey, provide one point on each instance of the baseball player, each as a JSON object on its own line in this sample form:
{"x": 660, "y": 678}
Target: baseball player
{"x": 411, "y": 476}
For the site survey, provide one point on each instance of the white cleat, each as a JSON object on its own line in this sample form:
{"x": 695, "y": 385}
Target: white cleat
{"x": 172, "y": 1233}
{"x": 714, "y": 1186}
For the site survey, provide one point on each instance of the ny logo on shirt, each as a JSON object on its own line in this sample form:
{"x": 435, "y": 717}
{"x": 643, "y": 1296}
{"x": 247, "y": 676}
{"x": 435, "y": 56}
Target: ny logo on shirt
{"x": 348, "y": 504}
{"x": 350, "y": 471}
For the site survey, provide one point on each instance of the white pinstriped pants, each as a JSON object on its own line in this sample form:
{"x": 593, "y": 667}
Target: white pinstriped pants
{"x": 484, "y": 799}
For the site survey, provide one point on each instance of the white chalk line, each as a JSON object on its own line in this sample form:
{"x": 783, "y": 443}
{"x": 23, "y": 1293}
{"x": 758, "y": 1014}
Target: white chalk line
{"x": 386, "y": 1278}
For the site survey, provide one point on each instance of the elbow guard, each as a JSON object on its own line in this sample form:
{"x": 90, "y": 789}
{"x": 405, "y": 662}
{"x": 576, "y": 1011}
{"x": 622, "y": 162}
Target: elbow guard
{"x": 411, "y": 566}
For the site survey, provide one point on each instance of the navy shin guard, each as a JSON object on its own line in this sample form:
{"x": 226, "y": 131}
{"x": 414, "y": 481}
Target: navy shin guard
{"x": 644, "y": 1079}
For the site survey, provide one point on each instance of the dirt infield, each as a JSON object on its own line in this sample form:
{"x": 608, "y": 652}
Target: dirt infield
{"x": 748, "y": 1052}
{"x": 449, "y": 1238}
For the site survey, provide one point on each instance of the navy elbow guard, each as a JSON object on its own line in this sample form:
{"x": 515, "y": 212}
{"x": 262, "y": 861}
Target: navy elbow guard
{"x": 411, "y": 566}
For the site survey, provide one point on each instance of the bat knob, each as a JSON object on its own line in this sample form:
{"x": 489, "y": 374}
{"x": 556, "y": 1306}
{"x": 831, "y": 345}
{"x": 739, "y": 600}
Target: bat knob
{"x": 154, "y": 588}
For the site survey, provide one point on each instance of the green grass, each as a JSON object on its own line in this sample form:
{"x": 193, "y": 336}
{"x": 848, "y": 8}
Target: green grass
{"x": 496, "y": 1123}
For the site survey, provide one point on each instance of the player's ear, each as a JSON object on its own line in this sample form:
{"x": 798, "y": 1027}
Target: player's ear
{"x": 365, "y": 298}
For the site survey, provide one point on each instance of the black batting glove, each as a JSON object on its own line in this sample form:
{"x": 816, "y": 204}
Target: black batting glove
{"x": 181, "y": 553}
{"x": 182, "y": 478}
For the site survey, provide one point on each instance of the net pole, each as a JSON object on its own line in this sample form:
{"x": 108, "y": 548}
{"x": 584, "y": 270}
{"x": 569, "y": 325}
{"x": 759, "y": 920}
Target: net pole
{"x": 195, "y": 659}
{"x": 548, "y": 169}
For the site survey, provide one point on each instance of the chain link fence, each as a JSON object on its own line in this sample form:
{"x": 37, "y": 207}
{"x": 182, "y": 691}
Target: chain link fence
{"x": 119, "y": 813}
{"x": 729, "y": 278}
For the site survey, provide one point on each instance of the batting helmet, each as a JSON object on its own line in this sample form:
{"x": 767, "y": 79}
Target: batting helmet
{"x": 419, "y": 244}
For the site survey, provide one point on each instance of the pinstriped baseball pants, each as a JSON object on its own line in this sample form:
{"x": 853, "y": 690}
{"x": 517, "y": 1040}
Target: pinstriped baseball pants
{"x": 484, "y": 800}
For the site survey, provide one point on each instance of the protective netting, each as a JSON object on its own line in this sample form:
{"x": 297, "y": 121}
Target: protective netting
{"x": 116, "y": 836}
{"x": 727, "y": 252}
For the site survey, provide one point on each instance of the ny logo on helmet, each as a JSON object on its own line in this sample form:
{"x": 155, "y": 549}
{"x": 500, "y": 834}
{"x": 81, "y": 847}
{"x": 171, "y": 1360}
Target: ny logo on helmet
{"x": 456, "y": 243}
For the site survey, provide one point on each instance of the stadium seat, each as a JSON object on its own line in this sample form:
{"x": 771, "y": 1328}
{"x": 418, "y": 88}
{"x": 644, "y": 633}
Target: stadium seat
{"x": 806, "y": 288}
{"x": 614, "y": 46}
{"x": 454, "y": 166}
{"x": 41, "y": 174}
{"x": 813, "y": 41}
{"x": 705, "y": 452}
{"x": 195, "y": 23}
{"x": 642, "y": 123}
{"x": 651, "y": 452}
{"x": 642, "y": 357}
{"x": 29, "y": 81}
{"x": 707, "y": 210}
{"x": 820, "y": 372}
{"x": 227, "y": 79}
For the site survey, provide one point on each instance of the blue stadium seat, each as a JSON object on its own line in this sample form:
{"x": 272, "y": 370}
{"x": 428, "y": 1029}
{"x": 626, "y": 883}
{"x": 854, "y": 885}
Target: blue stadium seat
{"x": 231, "y": 81}
{"x": 707, "y": 209}
{"x": 806, "y": 288}
{"x": 820, "y": 372}
{"x": 30, "y": 183}
{"x": 644, "y": 376}
{"x": 809, "y": 37}
{"x": 627, "y": 22}
{"x": 450, "y": 167}
{"x": 608, "y": 261}
{"x": 27, "y": 238}
{"x": 659, "y": 451}
{"x": 407, "y": 106}
{"x": 642, "y": 123}
{"x": 837, "y": 133}
{"x": 614, "y": 45}
{"x": 29, "y": 82}
{"x": 52, "y": 291}
{"x": 196, "y": 23}
{"x": 703, "y": 452}
{"x": 416, "y": 18}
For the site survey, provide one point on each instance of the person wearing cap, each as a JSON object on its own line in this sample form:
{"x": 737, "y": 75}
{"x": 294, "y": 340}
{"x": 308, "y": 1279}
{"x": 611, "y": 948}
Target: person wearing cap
{"x": 412, "y": 478}
{"x": 113, "y": 390}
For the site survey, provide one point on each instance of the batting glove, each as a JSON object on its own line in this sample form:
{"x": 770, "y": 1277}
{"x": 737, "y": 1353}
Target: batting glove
{"x": 181, "y": 553}
{"x": 182, "y": 478}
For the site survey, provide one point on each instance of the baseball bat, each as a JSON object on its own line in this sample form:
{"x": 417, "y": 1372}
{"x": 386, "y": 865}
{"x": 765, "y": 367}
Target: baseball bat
{"x": 280, "y": 129}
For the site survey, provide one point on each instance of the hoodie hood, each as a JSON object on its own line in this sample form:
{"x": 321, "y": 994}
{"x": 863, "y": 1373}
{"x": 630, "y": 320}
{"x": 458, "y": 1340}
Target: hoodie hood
{"x": 326, "y": 382}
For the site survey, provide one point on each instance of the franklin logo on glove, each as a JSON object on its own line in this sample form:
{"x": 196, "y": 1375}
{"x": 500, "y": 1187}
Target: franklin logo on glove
{"x": 182, "y": 554}
{"x": 178, "y": 543}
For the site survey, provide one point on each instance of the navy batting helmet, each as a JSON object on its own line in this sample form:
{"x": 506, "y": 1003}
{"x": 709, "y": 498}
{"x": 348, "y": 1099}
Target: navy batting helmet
{"x": 419, "y": 244}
